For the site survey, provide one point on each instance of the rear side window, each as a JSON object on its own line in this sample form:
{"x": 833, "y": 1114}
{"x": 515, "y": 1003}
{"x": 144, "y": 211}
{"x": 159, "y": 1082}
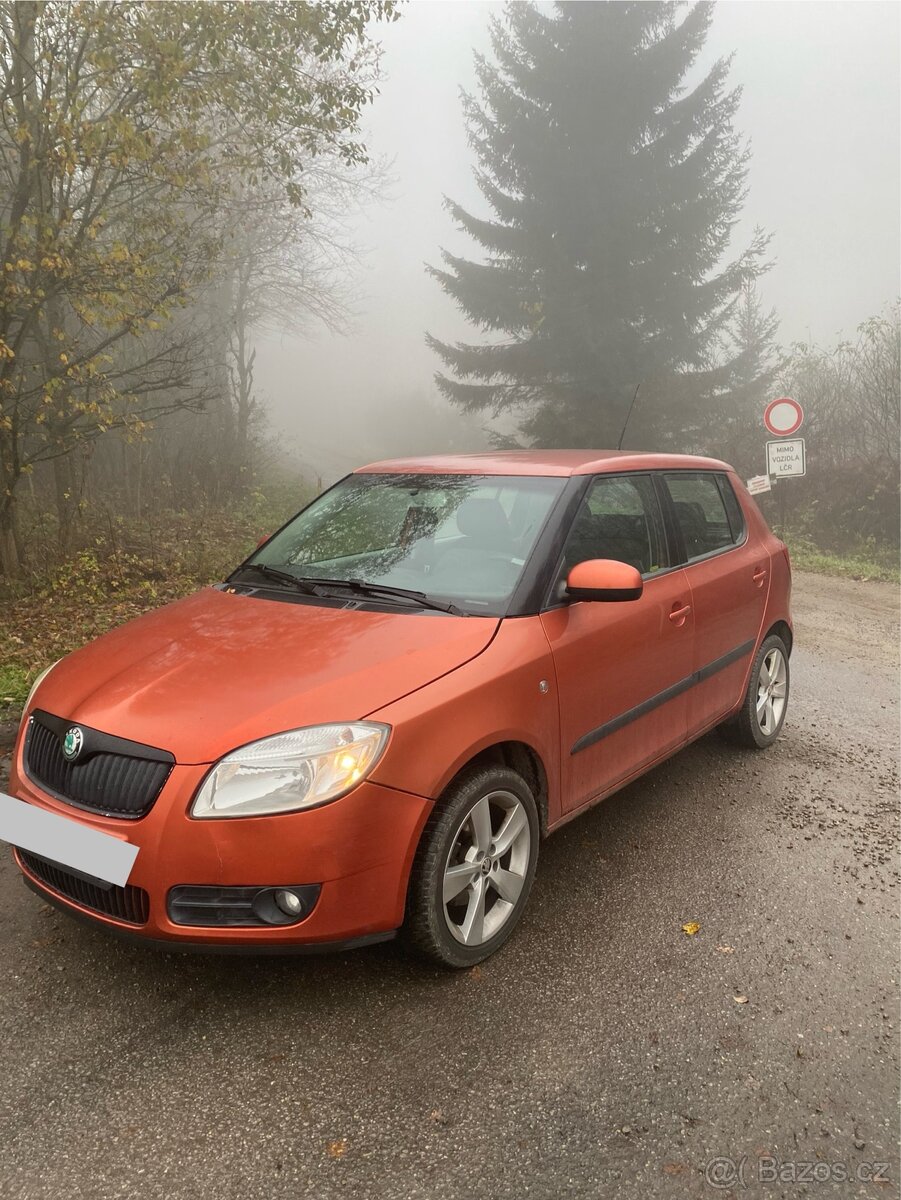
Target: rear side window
{"x": 702, "y": 514}
{"x": 619, "y": 518}
{"x": 733, "y": 508}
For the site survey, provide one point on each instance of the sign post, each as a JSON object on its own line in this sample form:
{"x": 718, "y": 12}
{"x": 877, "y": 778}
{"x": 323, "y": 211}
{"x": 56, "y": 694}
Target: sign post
{"x": 785, "y": 455}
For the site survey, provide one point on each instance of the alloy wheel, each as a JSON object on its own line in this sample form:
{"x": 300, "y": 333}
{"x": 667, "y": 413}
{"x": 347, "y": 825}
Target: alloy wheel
{"x": 771, "y": 691}
{"x": 486, "y": 868}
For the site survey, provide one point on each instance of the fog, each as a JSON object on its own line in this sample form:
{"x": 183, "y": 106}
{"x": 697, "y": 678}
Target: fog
{"x": 820, "y": 109}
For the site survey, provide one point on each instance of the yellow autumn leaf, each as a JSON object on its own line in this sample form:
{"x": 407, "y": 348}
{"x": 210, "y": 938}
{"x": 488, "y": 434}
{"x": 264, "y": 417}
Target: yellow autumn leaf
{"x": 337, "y": 1149}
{"x": 691, "y": 928}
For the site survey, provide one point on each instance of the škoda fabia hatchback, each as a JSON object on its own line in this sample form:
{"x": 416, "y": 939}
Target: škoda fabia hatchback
{"x": 369, "y": 727}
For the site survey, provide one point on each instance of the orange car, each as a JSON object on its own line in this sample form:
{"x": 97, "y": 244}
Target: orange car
{"x": 368, "y": 728}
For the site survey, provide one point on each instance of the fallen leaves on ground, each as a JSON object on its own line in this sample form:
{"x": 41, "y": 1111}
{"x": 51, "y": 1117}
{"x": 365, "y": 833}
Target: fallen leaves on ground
{"x": 337, "y": 1149}
{"x": 691, "y": 928}
{"x": 125, "y": 567}
{"x": 726, "y": 949}
{"x": 740, "y": 999}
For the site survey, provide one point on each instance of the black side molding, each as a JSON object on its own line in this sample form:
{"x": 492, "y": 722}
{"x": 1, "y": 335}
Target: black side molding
{"x": 670, "y": 693}
{"x": 727, "y": 660}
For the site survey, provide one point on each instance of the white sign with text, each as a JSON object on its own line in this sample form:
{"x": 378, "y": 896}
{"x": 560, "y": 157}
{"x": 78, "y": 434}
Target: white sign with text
{"x": 758, "y": 484}
{"x": 786, "y": 458}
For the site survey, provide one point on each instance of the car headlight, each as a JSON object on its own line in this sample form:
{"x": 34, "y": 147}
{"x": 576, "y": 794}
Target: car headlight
{"x": 299, "y": 769}
{"x": 37, "y": 683}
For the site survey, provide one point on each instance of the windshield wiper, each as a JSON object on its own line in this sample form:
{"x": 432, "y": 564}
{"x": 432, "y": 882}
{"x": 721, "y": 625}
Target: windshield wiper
{"x": 362, "y": 588}
{"x": 312, "y": 586}
{"x": 284, "y": 577}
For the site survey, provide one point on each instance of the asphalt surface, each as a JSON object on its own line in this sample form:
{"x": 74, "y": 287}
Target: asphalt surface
{"x": 603, "y": 1053}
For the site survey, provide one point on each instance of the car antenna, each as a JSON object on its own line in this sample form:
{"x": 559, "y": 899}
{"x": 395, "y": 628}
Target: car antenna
{"x": 619, "y": 444}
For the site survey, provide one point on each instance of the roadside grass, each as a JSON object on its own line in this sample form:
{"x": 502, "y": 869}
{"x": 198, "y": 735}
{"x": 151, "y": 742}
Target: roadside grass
{"x": 808, "y": 557}
{"x": 124, "y": 569}
{"x": 14, "y": 685}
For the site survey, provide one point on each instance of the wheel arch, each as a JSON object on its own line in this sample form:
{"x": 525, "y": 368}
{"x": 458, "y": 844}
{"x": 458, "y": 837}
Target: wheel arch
{"x": 783, "y": 630}
{"x": 519, "y": 757}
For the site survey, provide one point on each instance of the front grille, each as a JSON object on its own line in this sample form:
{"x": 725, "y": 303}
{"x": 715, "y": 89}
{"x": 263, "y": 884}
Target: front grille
{"x": 131, "y": 904}
{"x": 103, "y": 779}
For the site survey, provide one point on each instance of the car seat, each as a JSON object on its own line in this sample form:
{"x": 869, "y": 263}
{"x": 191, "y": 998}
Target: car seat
{"x": 480, "y": 561}
{"x": 693, "y": 524}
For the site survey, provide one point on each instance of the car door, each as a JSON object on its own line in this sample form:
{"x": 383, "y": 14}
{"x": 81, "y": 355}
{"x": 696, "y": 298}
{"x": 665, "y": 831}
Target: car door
{"x": 727, "y": 569}
{"x": 622, "y": 668}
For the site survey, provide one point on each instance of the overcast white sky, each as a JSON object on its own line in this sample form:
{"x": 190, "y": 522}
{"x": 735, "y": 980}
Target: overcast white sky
{"x": 821, "y": 106}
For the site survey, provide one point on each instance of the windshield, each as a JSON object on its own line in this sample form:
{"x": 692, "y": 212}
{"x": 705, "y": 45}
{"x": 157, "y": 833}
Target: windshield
{"x": 463, "y": 538}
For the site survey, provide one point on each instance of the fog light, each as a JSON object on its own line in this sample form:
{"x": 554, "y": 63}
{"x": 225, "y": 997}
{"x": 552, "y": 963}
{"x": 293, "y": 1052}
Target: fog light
{"x": 204, "y": 904}
{"x": 290, "y": 904}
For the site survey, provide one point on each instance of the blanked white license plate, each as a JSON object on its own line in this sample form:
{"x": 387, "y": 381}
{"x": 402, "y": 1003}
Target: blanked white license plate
{"x": 66, "y": 842}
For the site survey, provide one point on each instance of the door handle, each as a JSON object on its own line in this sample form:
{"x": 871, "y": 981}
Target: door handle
{"x": 759, "y": 576}
{"x": 679, "y": 614}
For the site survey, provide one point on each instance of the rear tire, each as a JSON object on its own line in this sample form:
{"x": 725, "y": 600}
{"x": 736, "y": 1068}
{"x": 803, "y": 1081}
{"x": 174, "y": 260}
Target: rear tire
{"x": 760, "y": 719}
{"x": 473, "y": 869}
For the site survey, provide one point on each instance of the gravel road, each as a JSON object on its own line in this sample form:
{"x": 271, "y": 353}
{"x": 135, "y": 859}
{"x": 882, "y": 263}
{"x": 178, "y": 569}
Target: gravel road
{"x": 604, "y": 1053}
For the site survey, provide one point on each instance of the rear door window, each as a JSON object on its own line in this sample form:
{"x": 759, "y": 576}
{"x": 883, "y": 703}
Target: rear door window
{"x": 701, "y": 513}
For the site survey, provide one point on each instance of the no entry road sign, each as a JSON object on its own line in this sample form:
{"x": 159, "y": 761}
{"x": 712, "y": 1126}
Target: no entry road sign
{"x": 783, "y": 417}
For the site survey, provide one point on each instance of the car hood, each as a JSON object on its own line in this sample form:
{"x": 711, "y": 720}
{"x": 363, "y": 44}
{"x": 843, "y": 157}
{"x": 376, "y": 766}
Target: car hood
{"x": 217, "y": 670}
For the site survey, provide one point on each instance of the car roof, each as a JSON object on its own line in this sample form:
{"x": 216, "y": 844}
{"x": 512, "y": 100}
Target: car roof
{"x": 543, "y": 462}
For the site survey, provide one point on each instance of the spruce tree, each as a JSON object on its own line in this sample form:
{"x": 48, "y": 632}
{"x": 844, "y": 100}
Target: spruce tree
{"x": 737, "y": 432}
{"x": 613, "y": 188}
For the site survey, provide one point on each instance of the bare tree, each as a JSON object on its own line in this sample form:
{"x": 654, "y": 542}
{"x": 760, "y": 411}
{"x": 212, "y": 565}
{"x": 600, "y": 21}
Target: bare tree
{"x": 286, "y": 269}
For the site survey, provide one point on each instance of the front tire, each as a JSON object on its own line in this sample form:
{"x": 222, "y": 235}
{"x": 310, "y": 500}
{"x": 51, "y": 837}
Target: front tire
{"x": 474, "y": 868}
{"x": 762, "y": 714}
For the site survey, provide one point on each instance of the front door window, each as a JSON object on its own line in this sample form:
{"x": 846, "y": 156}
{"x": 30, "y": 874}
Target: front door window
{"x": 620, "y": 519}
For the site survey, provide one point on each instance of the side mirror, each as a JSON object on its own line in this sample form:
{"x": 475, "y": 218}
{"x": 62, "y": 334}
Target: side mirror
{"x": 265, "y": 538}
{"x": 603, "y": 579}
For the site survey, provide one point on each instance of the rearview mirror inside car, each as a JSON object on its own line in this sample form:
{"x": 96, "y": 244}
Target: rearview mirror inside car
{"x": 603, "y": 579}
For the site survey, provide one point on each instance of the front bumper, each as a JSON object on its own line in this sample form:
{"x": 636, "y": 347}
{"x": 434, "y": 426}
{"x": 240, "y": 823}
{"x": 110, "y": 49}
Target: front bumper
{"x": 359, "y": 848}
